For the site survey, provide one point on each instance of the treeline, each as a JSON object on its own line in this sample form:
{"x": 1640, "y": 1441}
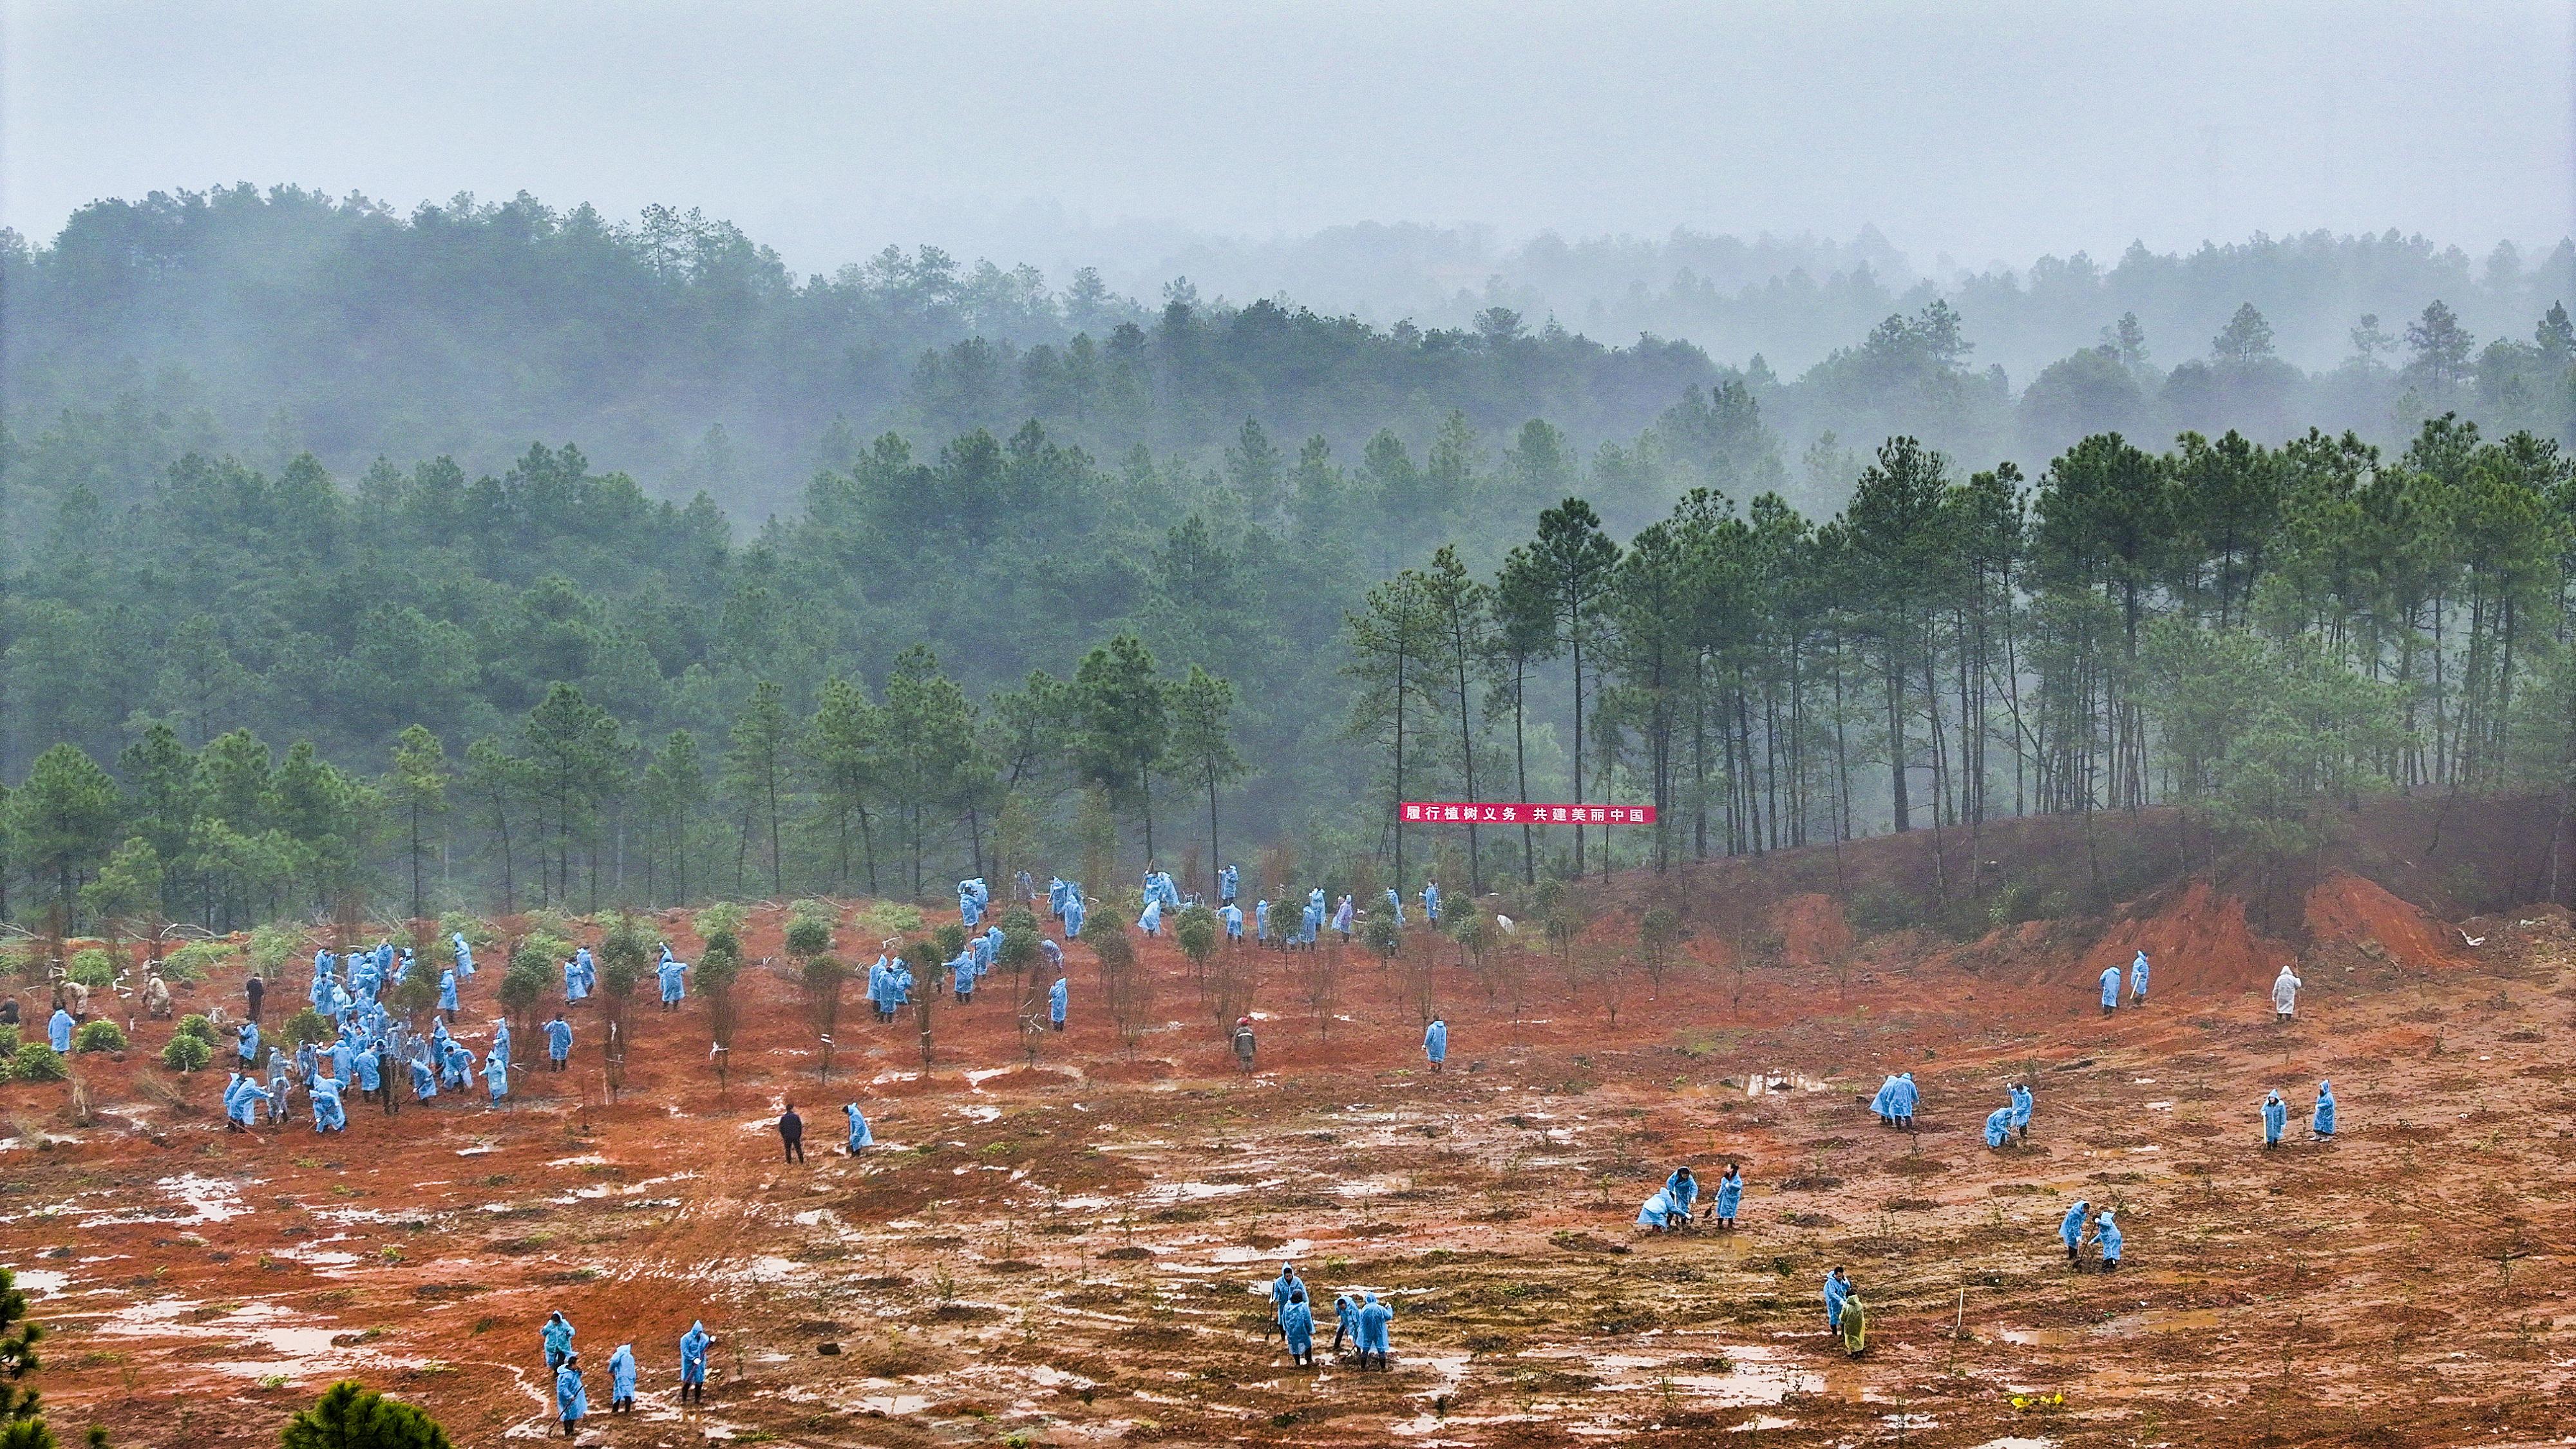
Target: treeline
{"x": 264, "y": 324}
{"x": 2266, "y": 633}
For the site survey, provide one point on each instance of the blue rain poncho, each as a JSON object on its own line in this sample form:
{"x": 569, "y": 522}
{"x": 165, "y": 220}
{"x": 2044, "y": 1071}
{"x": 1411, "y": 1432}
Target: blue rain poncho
{"x": 2110, "y": 987}
{"x": 675, "y": 979}
{"x": 496, "y": 1075}
{"x": 464, "y": 955}
{"x": 1261, "y": 922}
{"x": 1053, "y": 953}
{"x": 366, "y": 1069}
{"x": 242, "y": 1097}
{"x": 1374, "y": 1317}
{"x": 1151, "y": 922}
{"x": 328, "y": 1116}
{"x": 1730, "y": 1194}
{"x": 575, "y": 987}
{"x": 2021, "y": 1108}
{"x": 1878, "y": 1102}
{"x": 248, "y": 1040}
{"x": 1666, "y": 1209}
{"x": 859, "y": 1134}
{"x": 1227, "y": 881}
{"x": 572, "y": 1401}
{"x": 1837, "y": 1288}
{"x": 1902, "y": 1096}
{"x": 58, "y": 1035}
{"x": 1233, "y": 916}
{"x": 1074, "y": 911}
{"x": 1297, "y": 1325}
{"x": 2324, "y": 1122}
{"x": 2276, "y": 1119}
{"x": 693, "y": 1354}
{"x": 1998, "y": 1126}
{"x": 559, "y": 1040}
{"x": 1055, "y": 896}
{"x": 1431, "y": 903}
{"x": 1395, "y": 905}
{"x": 424, "y": 1077}
{"x": 447, "y": 989}
{"x": 1435, "y": 1041}
{"x": 2107, "y": 1233}
{"x": 2138, "y": 977}
{"x": 1342, "y": 916}
{"x": 970, "y": 910}
{"x": 2070, "y": 1230}
{"x": 1058, "y": 997}
{"x": 621, "y": 1372}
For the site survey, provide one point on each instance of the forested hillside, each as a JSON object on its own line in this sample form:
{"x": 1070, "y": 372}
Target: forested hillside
{"x": 1124, "y": 576}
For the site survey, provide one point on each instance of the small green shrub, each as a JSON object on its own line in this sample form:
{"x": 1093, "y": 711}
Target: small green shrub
{"x": 479, "y": 933}
{"x": 191, "y": 962}
{"x": 186, "y": 1053}
{"x": 99, "y": 1036}
{"x": 306, "y": 1026}
{"x": 271, "y": 944}
{"x": 94, "y": 968}
{"x": 36, "y": 1062}
{"x": 1877, "y": 908}
{"x": 889, "y": 918}
{"x": 8, "y": 1046}
{"x": 722, "y": 918}
{"x": 197, "y": 1026}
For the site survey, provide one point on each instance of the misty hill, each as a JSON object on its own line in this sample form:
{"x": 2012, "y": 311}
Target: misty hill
{"x": 681, "y": 351}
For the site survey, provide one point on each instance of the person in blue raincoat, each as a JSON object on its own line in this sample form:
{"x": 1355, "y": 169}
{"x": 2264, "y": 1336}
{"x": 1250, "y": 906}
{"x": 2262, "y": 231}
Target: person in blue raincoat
{"x": 1261, "y": 921}
{"x": 1730, "y": 1197}
{"x": 572, "y": 1401}
{"x": 447, "y": 991}
{"x": 1055, "y": 897}
{"x": 328, "y": 1114}
{"x": 248, "y": 1040}
{"x": 2106, "y": 1234}
{"x": 558, "y": 1042}
{"x": 2323, "y": 1124}
{"x": 556, "y": 1336}
{"x": 276, "y": 1084}
{"x": 1228, "y": 883}
{"x": 1151, "y": 922}
{"x": 693, "y": 1363}
{"x": 2110, "y": 989}
{"x": 1282, "y": 1288}
{"x": 1311, "y": 925}
{"x": 424, "y": 1076}
{"x": 969, "y": 911}
{"x": 1435, "y": 1042}
{"x": 2070, "y": 1231}
{"x": 496, "y": 1076}
{"x": 242, "y": 1098}
{"x": 1999, "y": 1126}
{"x": 2276, "y": 1118}
{"x": 363, "y": 1065}
{"x": 961, "y": 977}
{"x": 2022, "y": 1104}
{"x": 575, "y": 985}
{"x": 1346, "y": 1322}
{"x": 1395, "y": 906}
{"x": 1058, "y": 997}
{"x": 58, "y": 1035}
{"x": 860, "y": 1136}
{"x": 1297, "y": 1325}
{"x": 674, "y": 974}
{"x": 464, "y": 955}
{"x": 621, "y": 1380}
{"x": 1232, "y": 915}
{"x": 1670, "y": 1207}
{"x": 1431, "y": 902}
{"x": 1838, "y": 1286}
{"x": 2138, "y": 980}
{"x": 1074, "y": 911}
{"x": 1901, "y": 1100}
{"x": 1374, "y": 1317}
{"x": 1343, "y": 915}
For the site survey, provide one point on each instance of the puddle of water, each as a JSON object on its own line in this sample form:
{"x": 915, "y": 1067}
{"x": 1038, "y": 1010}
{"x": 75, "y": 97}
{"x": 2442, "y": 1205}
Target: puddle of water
{"x": 587, "y": 1159}
{"x": 981, "y": 1076}
{"x": 1761, "y": 1422}
{"x": 208, "y": 1199}
{"x": 1193, "y": 1191}
{"x": 1761, "y": 1083}
{"x": 1293, "y": 1248}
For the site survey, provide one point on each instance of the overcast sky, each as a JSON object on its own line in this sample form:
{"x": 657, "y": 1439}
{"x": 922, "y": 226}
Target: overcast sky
{"x": 1984, "y": 131}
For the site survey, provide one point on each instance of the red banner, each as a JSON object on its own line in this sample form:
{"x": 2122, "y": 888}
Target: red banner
{"x": 1513, "y": 812}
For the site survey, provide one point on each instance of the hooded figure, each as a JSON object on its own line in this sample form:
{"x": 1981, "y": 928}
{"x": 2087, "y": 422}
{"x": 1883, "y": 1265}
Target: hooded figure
{"x": 2070, "y": 1231}
{"x": 674, "y": 976}
{"x": 1670, "y": 1207}
{"x": 2107, "y": 1233}
{"x": 2323, "y": 1124}
{"x": 1374, "y": 1317}
{"x": 1232, "y": 915}
{"x": 1395, "y": 904}
{"x": 1074, "y": 911}
{"x": 1058, "y": 996}
{"x": 1901, "y": 1100}
{"x": 575, "y": 986}
{"x": 1342, "y": 919}
{"x": 2110, "y": 989}
{"x": 572, "y": 1401}
{"x": 2021, "y": 1109}
{"x": 1998, "y": 1126}
{"x": 1431, "y": 902}
{"x": 970, "y": 911}
{"x": 249, "y": 1039}
{"x": 1244, "y": 1043}
{"x": 1346, "y": 1320}
{"x": 693, "y": 1363}
{"x": 1261, "y": 922}
{"x": 557, "y": 1338}
{"x": 1297, "y": 1325}
{"x": 2138, "y": 980}
{"x": 1435, "y": 1042}
{"x": 860, "y": 1136}
{"x": 1878, "y": 1103}
{"x": 328, "y": 1114}
{"x": 2276, "y": 1118}
{"x": 1283, "y": 1288}
{"x": 447, "y": 991}
{"x": 1227, "y": 880}
{"x": 242, "y": 1098}
{"x": 424, "y": 1077}
{"x": 1855, "y": 1324}
{"x": 621, "y": 1379}
{"x": 1151, "y": 922}
{"x": 464, "y": 955}
{"x": 558, "y": 1041}
{"x": 58, "y": 1035}
{"x": 2285, "y": 995}
{"x": 1730, "y": 1196}
{"x": 496, "y": 1076}
{"x": 1837, "y": 1288}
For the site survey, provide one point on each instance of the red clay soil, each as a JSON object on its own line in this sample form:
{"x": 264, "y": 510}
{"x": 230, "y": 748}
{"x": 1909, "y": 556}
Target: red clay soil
{"x": 2348, "y": 910}
{"x": 1812, "y": 929}
{"x": 2198, "y": 942}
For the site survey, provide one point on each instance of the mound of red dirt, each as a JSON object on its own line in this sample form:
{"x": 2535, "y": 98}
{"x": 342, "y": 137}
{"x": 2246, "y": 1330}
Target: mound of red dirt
{"x": 2349, "y": 910}
{"x": 1812, "y": 929}
{"x": 2198, "y": 942}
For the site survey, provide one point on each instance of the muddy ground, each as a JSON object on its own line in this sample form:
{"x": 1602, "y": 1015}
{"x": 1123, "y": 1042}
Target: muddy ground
{"x": 1077, "y": 1253}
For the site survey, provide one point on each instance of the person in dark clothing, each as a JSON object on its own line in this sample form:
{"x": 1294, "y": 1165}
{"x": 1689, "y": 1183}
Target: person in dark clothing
{"x": 253, "y": 989}
{"x": 791, "y": 1134}
{"x": 386, "y": 1062}
{"x": 9, "y": 1012}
